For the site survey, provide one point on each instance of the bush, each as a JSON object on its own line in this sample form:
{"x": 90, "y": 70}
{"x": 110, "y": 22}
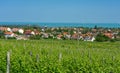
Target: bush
{"x": 2, "y": 37}
{"x": 112, "y": 40}
{"x": 117, "y": 39}
{"x": 11, "y": 38}
{"x": 35, "y": 37}
{"x": 102, "y": 38}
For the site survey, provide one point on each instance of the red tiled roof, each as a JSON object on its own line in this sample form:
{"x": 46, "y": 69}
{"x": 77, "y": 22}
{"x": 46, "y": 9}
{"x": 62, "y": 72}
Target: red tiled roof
{"x": 59, "y": 35}
{"x": 27, "y": 32}
{"x": 110, "y": 35}
{"x": 8, "y": 33}
{"x": 15, "y": 29}
{"x": 3, "y": 28}
{"x": 65, "y": 33}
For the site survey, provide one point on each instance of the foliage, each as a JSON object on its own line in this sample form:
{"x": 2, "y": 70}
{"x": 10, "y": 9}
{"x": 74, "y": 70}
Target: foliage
{"x": 35, "y": 37}
{"x": 119, "y": 34}
{"x": 86, "y": 30}
{"x": 117, "y": 39}
{"x": 102, "y": 38}
{"x": 95, "y": 27}
{"x": 11, "y": 38}
{"x": 2, "y": 35}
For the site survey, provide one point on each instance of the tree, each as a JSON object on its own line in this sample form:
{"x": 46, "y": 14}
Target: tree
{"x": 119, "y": 34}
{"x": 95, "y": 27}
{"x": 35, "y": 37}
{"x": 2, "y": 35}
{"x": 102, "y": 38}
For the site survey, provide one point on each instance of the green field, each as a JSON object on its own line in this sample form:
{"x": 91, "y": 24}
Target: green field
{"x": 58, "y": 56}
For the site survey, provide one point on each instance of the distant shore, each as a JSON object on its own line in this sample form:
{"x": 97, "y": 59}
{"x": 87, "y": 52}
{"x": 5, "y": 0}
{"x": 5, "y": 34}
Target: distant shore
{"x": 88, "y": 25}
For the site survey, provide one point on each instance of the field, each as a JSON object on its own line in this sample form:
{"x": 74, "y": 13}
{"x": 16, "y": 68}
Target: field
{"x": 58, "y": 56}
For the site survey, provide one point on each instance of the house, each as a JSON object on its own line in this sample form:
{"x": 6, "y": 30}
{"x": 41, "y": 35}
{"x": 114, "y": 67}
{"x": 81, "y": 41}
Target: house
{"x": 32, "y": 33}
{"x": 9, "y": 34}
{"x": 94, "y": 30}
{"x": 75, "y": 36}
{"x": 3, "y": 28}
{"x": 59, "y": 36}
{"x": 28, "y": 33}
{"x": 89, "y": 38}
{"x": 9, "y": 29}
{"x": 110, "y": 35}
{"x": 45, "y": 35}
{"x": 15, "y": 29}
{"x": 68, "y": 36}
{"x": 51, "y": 35}
{"x": 81, "y": 36}
{"x": 42, "y": 30}
{"x": 65, "y": 33}
{"x": 36, "y": 32}
{"x": 52, "y": 29}
{"x": 21, "y": 31}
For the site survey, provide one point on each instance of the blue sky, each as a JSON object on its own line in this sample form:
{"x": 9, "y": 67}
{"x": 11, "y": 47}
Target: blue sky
{"x": 78, "y": 11}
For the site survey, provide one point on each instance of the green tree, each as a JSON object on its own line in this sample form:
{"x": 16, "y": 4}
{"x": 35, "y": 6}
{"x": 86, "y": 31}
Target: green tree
{"x": 119, "y": 34}
{"x": 95, "y": 27}
{"x": 102, "y": 38}
{"x": 2, "y": 35}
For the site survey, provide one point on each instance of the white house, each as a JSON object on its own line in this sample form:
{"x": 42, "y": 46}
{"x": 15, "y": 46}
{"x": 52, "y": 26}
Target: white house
{"x": 88, "y": 38}
{"x": 21, "y": 31}
{"x": 45, "y": 35}
{"x": 9, "y": 34}
{"x": 33, "y": 33}
{"x": 9, "y": 29}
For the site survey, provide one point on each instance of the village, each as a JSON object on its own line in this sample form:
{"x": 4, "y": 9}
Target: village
{"x": 60, "y": 33}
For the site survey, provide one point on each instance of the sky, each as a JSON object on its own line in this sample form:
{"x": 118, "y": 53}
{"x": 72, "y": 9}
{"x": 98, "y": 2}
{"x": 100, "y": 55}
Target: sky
{"x": 66, "y": 11}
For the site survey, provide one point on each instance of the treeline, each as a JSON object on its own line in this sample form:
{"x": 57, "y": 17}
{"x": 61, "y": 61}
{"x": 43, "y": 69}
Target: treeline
{"x": 24, "y": 26}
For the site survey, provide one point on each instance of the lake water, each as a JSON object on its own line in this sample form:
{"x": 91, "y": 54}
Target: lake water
{"x": 90, "y": 25}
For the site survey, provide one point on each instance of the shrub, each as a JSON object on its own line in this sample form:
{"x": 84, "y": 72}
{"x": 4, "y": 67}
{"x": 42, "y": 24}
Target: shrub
{"x": 101, "y": 38}
{"x": 35, "y": 37}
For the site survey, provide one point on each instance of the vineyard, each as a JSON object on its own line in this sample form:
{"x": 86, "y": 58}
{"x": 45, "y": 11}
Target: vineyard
{"x": 58, "y": 56}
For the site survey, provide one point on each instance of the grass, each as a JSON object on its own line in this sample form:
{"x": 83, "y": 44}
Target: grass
{"x": 58, "y": 56}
